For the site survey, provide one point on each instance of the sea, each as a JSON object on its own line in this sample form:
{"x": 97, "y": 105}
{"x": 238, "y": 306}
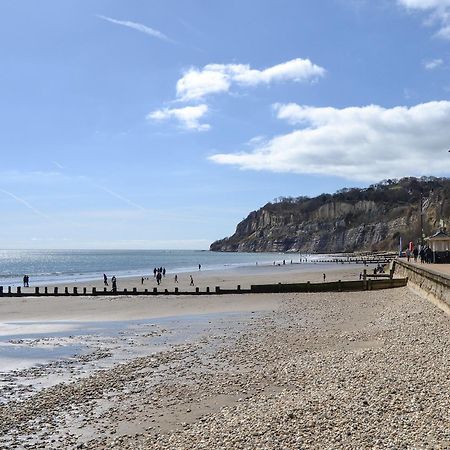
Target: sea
{"x": 61, "y": 266}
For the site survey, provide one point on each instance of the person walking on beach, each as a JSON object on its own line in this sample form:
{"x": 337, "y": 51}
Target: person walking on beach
{"x": 105, "y": 280}
{"x": 154, "y": 272}
{"x": 158, "y": 278}
{"x": 192, "y": 281}
{"x": 114, "y": 283}
{"x": 24, "y": 280}
{"x": 142, "y": 280}
{"x": 199, "y": 267}
{"x": 164, "y": 271}
{"x": 176, "y": 279}
{"x": 324, "y": 278}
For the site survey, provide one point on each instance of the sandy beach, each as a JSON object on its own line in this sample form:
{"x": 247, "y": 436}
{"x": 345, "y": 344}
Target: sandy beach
{"x": 332, "y": 370}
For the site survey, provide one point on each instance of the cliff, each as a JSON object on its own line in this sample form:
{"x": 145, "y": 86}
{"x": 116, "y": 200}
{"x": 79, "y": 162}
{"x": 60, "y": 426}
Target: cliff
{"x": 369, "y": 219}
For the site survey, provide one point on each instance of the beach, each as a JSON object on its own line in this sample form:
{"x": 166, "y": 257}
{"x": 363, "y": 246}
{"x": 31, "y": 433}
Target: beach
{"x": 329, "y": 370}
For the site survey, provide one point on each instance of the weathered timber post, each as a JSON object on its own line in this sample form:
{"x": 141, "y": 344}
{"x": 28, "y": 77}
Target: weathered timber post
{"x": 94, "y": 291}
{"x": 155, "y": 290}
{"x": 75, "y": 290}
{"x": 197, "y": 290}
{"x": 55, "y": 291}
{"x": 176, "y": 290}
{"x": 66, "y": 290}
{"x": 207, "y": 289}
{"x": 36, "y": 290}
{"x": 84, "y": 291}
{"x": 19, "y": 290}
{"x": 217, "y": 289}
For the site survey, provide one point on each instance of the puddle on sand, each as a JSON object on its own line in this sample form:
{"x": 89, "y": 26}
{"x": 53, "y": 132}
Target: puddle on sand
{"x": 31, "y": 344}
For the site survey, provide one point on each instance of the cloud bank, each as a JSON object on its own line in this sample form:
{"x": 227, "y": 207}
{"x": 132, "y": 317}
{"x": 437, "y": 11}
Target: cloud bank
{"x": 196, "y": 83}
{"x": 187, "y": 117}
{"x": 138, "y": 27}
{"x": 366, "y": 143}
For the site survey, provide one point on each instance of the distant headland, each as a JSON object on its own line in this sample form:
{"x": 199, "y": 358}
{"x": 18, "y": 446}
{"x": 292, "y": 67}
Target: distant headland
{"x": 352, "y": 219}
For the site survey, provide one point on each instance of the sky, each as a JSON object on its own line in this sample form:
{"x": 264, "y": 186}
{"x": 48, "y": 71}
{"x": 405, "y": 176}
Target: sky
{"x": 132, "y": 124}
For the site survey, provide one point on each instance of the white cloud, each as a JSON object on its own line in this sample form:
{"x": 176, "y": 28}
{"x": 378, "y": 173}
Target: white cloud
{"x": 360, "y": 143}
{"x": 188, "y": 117}
{"x": 438, "y": 10}
{"x": 138, "y": 27}
{"x": 433, "y": 64}
{"x": 216, "y": 78}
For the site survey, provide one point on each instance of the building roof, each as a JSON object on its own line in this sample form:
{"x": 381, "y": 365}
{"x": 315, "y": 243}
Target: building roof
{"x": 439, "y": 235}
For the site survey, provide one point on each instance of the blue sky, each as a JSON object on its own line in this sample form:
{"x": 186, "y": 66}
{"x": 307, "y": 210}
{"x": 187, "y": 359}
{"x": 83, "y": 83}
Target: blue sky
{"x": 161, "y": 124}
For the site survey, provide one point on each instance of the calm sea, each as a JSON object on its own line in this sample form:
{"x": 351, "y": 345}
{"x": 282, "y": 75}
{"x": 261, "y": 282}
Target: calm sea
{"x": 55, "y": 266}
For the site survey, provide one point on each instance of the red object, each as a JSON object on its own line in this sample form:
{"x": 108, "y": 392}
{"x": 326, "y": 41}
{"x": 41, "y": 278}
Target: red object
{"x": 411, "y": 246}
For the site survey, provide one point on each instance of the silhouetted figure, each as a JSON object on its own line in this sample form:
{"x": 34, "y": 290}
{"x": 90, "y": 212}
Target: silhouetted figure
{"x": 154, "y": 272}
{"x": 324, "y": 277}
{"x": 158, "y": 278}
{"x": 199, "y": 267}
{"x": 114, "y": 283}
{"x": 192, "y": 281}
{"x": 105, "y": 280}
{"x": 175, "y": 279}
{"x": 142, "y": 280}
{"x": 24, "y": 280}
{"x": 164, "y": 271}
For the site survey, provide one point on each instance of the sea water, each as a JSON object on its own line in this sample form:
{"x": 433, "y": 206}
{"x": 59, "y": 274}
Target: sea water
{"x": 59, "y": 266}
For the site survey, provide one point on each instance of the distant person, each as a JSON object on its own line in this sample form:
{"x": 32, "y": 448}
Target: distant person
{"x": 415, "y": 253}
{"x": 142, "y": 280}
{"x": 422, "y": 255}
{"x": 27, "y": 281}
{"x": 114, "y": 283}
{"x": 175, "y": 279}
{"x": 158, "y": 278}
{"x": 192, "y": 281}
{"x": 164, "y": 271}
{"x": 408, "y": 254}
{"x": 199, "y": 267}
{"x": 284, "y": 262}
{"x": 154, "y": 272}
{"x": 324, "y": 277}
{"x": 105, "y": 280}
{"x": 24, "y": 280}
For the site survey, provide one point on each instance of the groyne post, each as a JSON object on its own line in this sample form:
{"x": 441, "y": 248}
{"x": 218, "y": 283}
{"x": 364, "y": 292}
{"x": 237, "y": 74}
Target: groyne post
{"x": 19, "y": 290}
{"x": 94, "y": 291}
{"x": 55, "y": 291}
{"x": 217, "y": 289}
{"x": 1, "y": 291}
{"x": 36, "y": 290}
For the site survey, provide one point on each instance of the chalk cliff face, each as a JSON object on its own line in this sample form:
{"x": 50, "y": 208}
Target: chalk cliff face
{"x": 349, "y": 220}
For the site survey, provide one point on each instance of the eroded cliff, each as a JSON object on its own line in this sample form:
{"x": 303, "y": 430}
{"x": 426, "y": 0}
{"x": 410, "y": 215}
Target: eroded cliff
{"x": 350, "y": 220}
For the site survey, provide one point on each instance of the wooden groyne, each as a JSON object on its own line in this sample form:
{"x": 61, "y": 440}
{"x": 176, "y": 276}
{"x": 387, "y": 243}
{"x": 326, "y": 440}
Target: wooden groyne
{"x": 332, "y": 286}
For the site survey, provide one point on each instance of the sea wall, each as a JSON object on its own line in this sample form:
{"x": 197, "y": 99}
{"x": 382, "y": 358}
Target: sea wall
{"x": 433, "y": 285}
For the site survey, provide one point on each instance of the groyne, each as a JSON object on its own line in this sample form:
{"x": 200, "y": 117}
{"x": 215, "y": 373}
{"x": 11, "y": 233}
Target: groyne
{"x": 365, "y": 284}
{"x": 434, "y": 285}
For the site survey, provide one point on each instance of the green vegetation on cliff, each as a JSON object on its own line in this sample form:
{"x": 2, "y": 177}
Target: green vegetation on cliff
{"x": 354, "y": 219}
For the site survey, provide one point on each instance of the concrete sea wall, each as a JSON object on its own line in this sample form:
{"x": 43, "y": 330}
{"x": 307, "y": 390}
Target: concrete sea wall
{"x": 433, "y": 285}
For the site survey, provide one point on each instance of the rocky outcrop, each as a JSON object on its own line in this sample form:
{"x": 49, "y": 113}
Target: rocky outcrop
{"x": 369, "y": 219}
